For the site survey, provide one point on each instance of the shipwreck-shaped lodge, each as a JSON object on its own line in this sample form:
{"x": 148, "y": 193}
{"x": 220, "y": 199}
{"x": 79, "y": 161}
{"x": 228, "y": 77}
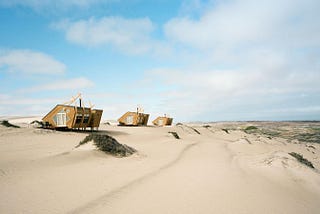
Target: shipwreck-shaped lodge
{"x": 64, "y": 116}
{"x": 134, "y": 118}
{"x": 163, "y": 121}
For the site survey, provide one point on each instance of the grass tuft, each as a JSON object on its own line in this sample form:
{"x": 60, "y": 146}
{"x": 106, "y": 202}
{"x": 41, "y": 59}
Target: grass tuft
{"x": 301, "y": 159}
{"x": 226, "y": 130}
{"x": 108, "y": 145}
{"x": 175, "y": 134}
{"x": 40, "y": 123}
{"x": 250, "y": 129}
{"x": 7, "y": 124}
{"x": 195, "y": 130}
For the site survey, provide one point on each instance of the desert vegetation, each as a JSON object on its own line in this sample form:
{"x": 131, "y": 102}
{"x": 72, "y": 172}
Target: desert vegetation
{"x": 292, "y": 131}
{"x": 175, "y": 134}
{"x": 108, "y": 145}
{"x": 7, "y": 124}
{"x": 249, "y": 129}
{"x": 301, "y": 159}
{"x": 225, "y": 130}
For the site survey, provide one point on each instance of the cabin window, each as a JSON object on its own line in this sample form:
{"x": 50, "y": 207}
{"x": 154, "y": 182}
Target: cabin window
{"x": 129, "y": 120}
{"x": 78, "y": 118}
{"x": 86, "y": 118}
{"x": 160, "y": 122}
{"x": 61, "y": 119}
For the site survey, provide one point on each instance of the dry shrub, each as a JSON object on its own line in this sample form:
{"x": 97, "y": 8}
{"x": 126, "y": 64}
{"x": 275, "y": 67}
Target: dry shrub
{"x": 108, "y": 145}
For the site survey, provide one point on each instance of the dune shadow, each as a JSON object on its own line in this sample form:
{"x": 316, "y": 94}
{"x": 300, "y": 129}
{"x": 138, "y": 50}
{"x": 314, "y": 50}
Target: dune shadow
{"x": 108, "y": 132}
{"x": 112, "y": 132}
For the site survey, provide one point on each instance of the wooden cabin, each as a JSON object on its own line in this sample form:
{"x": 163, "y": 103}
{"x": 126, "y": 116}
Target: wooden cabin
{"x": 72, "y": 117}
{"x": 133, "y": 119}
{"x": 163, "y": 121}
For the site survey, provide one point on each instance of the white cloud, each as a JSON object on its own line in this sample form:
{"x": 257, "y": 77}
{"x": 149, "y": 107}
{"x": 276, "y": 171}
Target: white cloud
{"x": 63, "y": 84}
{"x": 249, "y": 22}
{"x": 12, "y": 101}
{"x": 30, "y": 62}
{"x": 11, "y": 105}
{"x": 131, "y": 36}
{"x": 119, "y": 32}
{"x": 194, "y": 94}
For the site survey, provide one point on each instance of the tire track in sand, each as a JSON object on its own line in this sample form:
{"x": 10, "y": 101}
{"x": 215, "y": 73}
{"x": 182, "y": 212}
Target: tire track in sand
{"x": 104, "y": 198}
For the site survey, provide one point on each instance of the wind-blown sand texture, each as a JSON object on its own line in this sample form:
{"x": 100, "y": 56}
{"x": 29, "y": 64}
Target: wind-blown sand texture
{"x": 207, "y": 170}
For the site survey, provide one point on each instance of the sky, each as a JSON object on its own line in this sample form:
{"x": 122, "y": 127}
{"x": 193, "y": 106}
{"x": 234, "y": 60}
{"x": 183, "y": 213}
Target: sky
{"x": 195, "y": 60}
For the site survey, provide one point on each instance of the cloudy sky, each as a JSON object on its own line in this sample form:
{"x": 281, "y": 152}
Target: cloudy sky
{"x": 196, "y": 60}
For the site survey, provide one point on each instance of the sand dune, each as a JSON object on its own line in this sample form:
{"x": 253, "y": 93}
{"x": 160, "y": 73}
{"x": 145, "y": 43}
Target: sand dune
{"x": 206, "y": 171}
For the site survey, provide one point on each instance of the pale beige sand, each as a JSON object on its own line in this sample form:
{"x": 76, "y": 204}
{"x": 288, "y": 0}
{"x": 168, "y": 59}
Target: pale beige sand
{"x": 211, "y": 172}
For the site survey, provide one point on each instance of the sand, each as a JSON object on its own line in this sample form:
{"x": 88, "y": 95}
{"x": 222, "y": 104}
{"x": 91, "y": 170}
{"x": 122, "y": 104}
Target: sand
{"x": 41, "y": 171}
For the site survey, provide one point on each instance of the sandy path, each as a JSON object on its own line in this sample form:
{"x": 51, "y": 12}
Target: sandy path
{"x": 91, "y": 206}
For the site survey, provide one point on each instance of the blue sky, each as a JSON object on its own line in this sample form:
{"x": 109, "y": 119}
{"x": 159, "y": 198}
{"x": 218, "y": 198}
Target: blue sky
{"x": 194, "y": 60}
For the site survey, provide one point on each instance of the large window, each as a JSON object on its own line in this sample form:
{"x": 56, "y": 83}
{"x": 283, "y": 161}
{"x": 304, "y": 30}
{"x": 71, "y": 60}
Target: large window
{"x": 129, "y": 120}
{"x": 78, "y": 118}
{"x": 160, "y": 122}
{"x": 61, "y": 119}
{"x": 86, "y": 118}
